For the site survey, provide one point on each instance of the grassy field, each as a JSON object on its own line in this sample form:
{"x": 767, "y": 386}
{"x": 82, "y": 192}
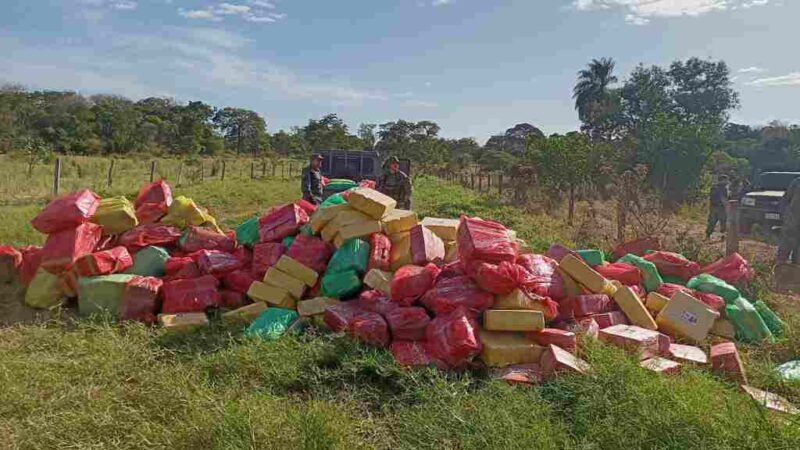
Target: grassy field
{"x": 93, "y": 384}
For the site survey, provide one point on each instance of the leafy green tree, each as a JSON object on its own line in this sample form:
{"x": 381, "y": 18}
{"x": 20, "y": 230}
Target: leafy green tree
{"x": 289, "y": 144}
{"x": 563, "y": 164}
{"x": 593, "y": 96}
{"x": 515, "y": 139}
{"x": 245, "y": 131}
{"x": 366, "y": 132}
{"x": 329, "y": 132}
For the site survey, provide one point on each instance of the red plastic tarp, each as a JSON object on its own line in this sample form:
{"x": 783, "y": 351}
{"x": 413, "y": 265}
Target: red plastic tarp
{"x": 63, "y": 248}
{"x": 153, "y": 201}
{"x": 150, "y": 234}
{"x": 238, "y": 280}
{"x": 265, "y": 256}
{"x": 198, "y": 238}
{"x": 637, "y": 247}
{"x": 380, "y": 252}
{"x": 278, "y": 224}
{"x": 453, "y": 338}
{"x": 408, "y": 324}
{"x": 449, "y": 294}
{"x": 485, "y": 240}
{"x": 411, "y": 282}
{"x": 732, "y": 268}
{"x": 245, "y": 255}
{"x": 140, "y": 299}
{"x": 625, "y": 273}
{"x": 217, "y": 263}
{"x": 104, "y": 262}
{"x": 425, "y": 246}
{"x": 311, "y": 252}
{"x": 192, "y": 295}
{"x": 66, "y": 212}
{"x": 673, "y": 264}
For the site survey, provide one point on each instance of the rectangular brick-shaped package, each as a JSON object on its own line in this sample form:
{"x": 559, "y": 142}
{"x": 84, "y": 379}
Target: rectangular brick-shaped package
{"x": 661, "y": 365}
{"x": 586, "y": 305}
{"x": 371, "y": 202}
{"x": 576, "y": 268}
{"x": 685, "y": 316}
{"x": 688, "y": 353}
{"x": 315, "y": 306}
{"x": 723, "y": 328}
{"x": 245, "y": 314}
{"x": 399, "y": 221}
{"x": 291, "y": 267}
{"x": 379, "y": 280}
{"x": 183, "y": 322}
{"x": 634, "y": 309}
{"x": 655, "y": 301}
{"x": 646, "y": 343}
{"x": 610, "y": 319}
{"x": 322, "y": 217}
{"x": 276, "y": 296}
{"x": 557, "y": 360}
{"x": 425, "y": 246}
{"x": 447, "y": 229}
{"x": 278, "y": 278}
{"x": 513, "y": 320}
{"x": 725, "y": 362}
{"x": 401, "y": 249}
{"x": 562, "y": 338}
{"x": 358, "y": 230}
{"x": 500, "y": 349}
{"x": 517, "y": 299}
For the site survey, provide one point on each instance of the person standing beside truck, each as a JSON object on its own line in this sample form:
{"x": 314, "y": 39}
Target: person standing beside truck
{"x": 395, "y": 183}
{"x": 717, "y": 204}
{"x": 311, "y": 180}
{"x": 789, "y": 243}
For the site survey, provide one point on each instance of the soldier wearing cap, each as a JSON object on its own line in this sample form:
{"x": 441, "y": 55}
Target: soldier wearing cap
{"x": 395, "y": 184}
{"x": 717, "y": 202}
{"x": 311, "y": 180}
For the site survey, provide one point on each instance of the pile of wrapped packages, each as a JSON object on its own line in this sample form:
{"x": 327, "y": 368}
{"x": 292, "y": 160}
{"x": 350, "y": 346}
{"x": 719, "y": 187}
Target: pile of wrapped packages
{"x": 437, "y": 291}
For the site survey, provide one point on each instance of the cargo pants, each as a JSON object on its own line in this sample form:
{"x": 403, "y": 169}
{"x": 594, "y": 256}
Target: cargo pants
{"x": 717, "y": 214}
{"x": 789, "y": 245}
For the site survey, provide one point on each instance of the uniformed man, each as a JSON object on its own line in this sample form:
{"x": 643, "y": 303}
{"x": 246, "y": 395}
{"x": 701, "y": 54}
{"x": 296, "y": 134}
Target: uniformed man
{"x": 717, "y": 204}
{"x": 311, "y": 180}
{"x": 790, "y": 230}
{"x": 395, "y": 184}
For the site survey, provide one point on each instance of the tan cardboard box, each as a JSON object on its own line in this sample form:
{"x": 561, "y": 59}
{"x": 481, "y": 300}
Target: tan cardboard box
{"x": 686, "y": 316}
{"x": 446, "y": 229}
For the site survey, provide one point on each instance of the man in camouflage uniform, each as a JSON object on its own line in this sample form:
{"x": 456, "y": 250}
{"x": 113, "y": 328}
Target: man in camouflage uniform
{"x": 717, "y": 203}
{"x": 395, "y": 184}
{"x": 311, "y": 180}
{"x": 790, "y": 231}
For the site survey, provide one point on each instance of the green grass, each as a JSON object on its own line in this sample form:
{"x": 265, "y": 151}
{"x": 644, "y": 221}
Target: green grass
{"x": 93, "y": 384}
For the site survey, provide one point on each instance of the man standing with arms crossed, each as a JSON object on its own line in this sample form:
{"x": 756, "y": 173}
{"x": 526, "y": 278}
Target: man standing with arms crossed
{"x": 311, "y": 180}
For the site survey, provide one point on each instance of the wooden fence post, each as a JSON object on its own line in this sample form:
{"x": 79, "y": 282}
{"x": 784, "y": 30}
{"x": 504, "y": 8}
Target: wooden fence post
{"x": 252, "y": 170}
{"x": 222, "y": 175}
{"x": 489, "y": 183}
{"x": 273, "y": 169}
{"x": 472, "y": 181}
{"x": 110, "y": 179}
{"x": 180, "y": 173}
{"x": 500, "y": 184}
{"x": 56, "y": 176}
{"x": 732, "y": 235}
{"x": 480, "y": 182}
{"x": 202, "y": 175}
{"x": 283, "y": 170}
{"x": 152, "y": 170}
{"x": 263, "y": 169}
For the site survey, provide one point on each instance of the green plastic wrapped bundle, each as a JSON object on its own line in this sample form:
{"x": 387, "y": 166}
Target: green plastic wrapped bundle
{"x": 652, "y": 279}
{"x": 341, "y": 285}
{"x": 149, "y": 262}
{"x": 774, "y": 323}
{"x": 101, "y": 294}
{"x": 288, "y": 241}
{"x": 352, "y": 255}
{"x": 671, "y": 279}
{"x": 709, "y": 283}
{"x": 335, "y": 199}
{"x": 592, "y": 257}
{"x": 306, "y": 229}
{"x": 272, "y": 323}
{"x": 340, "y": 184}
{"x": 749, "y": 325}
{"x": 247, "y": 232}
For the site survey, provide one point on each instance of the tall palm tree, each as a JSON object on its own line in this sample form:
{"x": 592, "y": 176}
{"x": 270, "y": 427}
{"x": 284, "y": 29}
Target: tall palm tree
{"x": 592, "y": 85}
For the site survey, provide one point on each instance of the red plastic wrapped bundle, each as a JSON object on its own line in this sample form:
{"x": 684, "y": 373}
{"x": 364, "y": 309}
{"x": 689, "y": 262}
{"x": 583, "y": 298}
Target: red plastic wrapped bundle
{"x": 63, "y": 248}
{"x": 425, "y": 246}
{"x": 485, "y": 240}
{"x": 140, "y": 299}
{"x": 31, "y": 259}
{"x": 380, "y": 252}
{"x": 411, "y": 353}
{"x": 499, "y": 279}
{"x": 639, "y": 290}
{"x": 103, "y": 263}
{"x": 549, "y": 308}
{"x": 194, "y": 295}
{"x": 238, "y": 280}
{"x": 338, "y": 317}
{"x": 558, "y": 251}
{"x": 306, "y": 206}
{"x": 150, "y": 234}
{"x": 197, "y": 238}
{"x": 411, "y": 282}
{"x": 107, "y": 243}
{"x": 673, "y": 264}
{"x": 214, "y": 262}
{"x": 449, "y": 294}
{"x": 377, "y": 302}
{"x": 280, "y": 223}
{"x": 68, "y": 282}
{"x": 452, "y": 270}
{"x": 543, "y": 279}
{"x": 265, "y": 256}
{"x": 370, "y": 328}
{"x": 637, "y": 247}
{"x": 453, "y": 338}
{"x": 586, "y": 305}
{"x": 311, "y": 252}
{"x": 153, "y": 201}
{"x": 245, "y": 255}
{"x": 732, "y": 268}
{"x": 625, "y": 273}
{"x": 10, "y": 261}
{"x": 714, "y": 301}
{"x": 367, "y": 184}
{"x": 66, "y": 212}
{"x": 408, "y": 324}
{"x": 232, "y": 299}
{"x": 181, "y": 268}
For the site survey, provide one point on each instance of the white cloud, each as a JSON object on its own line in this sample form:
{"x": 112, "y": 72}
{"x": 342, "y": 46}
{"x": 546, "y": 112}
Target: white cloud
{"x": 260, "y": 12}
{"x": 126, "y": 5}
{"x": 262, "y": 4}
{"x": 202, "y": 14}
{"x": 442, "y": 2}
{"x": 752, "y": 69}
{"x": 640, "y": 12}
{"x": 419, "y": 104}
{"x": 229, "y": 9}
{"x": 790, "y": 79}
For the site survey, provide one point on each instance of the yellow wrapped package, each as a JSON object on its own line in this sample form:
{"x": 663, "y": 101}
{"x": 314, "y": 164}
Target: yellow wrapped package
{"x": 267, "y": 293}
{"x": 184, "y": 212}
{"x": 504, "y": 349}
{"x": 399, "y": 220}
{"x": 245, "y": 314}
{"x": 324, "y": 216}
{"x": 450, "y": 251}
{"x": 517, "y": 299}
{"x": 446, "y": 229}
{"x": 116, "y": 215}
{"x": 380, "y": 280}
{"x": 291, "y": 267}
{"x": 277, "y": 278}
{"x": 359, "y": 230}
{"x": 371, "y": 202}
{"x": 513, "y": 320}
{"x": 44, "y": 291}
{"x": 183, "y": 322}
{"x": 634, "y": 309}
{"x": 329, "y": 232}
{"x": 575, "y": 267}
{"x": 401, "y": 250}
{"x": 315, "y": 306}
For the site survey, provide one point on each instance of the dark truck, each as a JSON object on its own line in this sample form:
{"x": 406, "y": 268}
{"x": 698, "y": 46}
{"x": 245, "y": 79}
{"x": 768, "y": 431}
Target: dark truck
{"x": 762, "y": 204}
{"x": 355, "y": 165}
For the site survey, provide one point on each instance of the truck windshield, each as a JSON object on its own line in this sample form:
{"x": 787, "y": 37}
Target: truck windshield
{"x": 776, "y": 181}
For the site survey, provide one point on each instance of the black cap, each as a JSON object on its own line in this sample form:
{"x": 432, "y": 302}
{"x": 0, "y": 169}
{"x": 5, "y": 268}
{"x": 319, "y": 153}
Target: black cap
{"x": 393, "y": 159}
{"x": 316, "y": 156}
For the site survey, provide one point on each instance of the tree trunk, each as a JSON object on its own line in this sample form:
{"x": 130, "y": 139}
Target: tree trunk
{"x": 571, "y": 214}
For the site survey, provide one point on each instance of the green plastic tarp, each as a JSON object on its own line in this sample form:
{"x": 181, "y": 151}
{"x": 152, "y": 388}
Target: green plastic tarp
{"x": 101, "y": 294}
{"x": 272, "y": 323}
{"x": 749, "y": 325}
{"x": 592, "y": 257}
{"x": 149, "y": 262}
{"x": 774, "y": 323}
{"x": 652, "y": 279}
{"x": 709, "y": 283}
{"x": 335, "y": 199}
{"x": 247, "y": 232}
{"x": 352, "y": 255}
{"x": 341, "y": 285}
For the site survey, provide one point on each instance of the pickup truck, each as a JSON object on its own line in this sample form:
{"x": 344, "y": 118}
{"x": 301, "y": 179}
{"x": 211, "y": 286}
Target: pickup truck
{"x": 762, "y": 205}
{"x": 355, "y": 165}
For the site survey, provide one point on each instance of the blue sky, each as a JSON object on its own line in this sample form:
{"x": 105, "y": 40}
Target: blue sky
{"x": 476, "y": 67}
